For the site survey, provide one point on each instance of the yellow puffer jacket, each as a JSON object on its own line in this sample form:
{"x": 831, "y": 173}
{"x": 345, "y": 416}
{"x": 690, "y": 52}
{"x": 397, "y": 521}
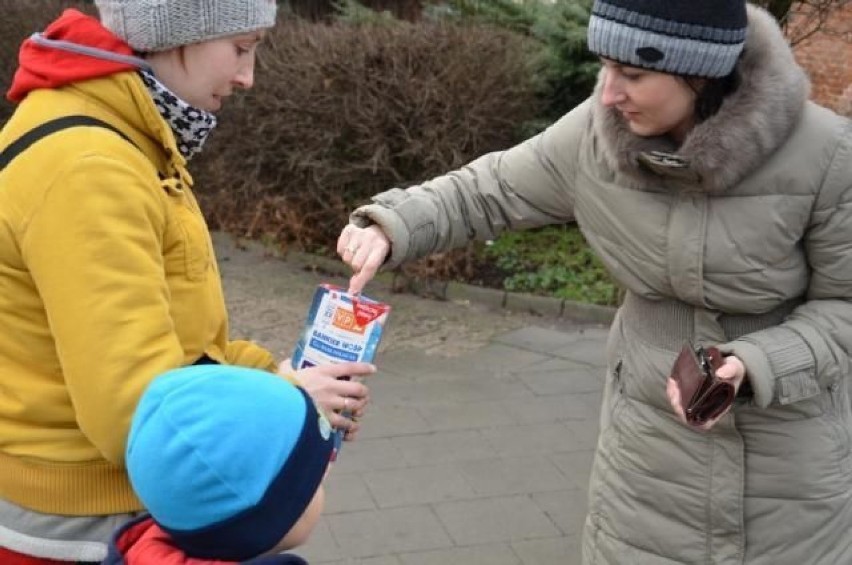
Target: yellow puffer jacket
{"x": 107, "y": 278}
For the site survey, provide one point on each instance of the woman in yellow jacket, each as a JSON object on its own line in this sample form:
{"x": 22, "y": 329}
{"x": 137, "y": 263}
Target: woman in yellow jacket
{"x": 107, "y": 273}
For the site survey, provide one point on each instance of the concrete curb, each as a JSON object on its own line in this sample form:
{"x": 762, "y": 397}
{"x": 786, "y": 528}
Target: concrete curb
{"x": 545, "y": 306}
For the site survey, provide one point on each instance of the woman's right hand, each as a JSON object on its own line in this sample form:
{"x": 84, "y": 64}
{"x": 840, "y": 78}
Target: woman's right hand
{"x": 363, "y": 249}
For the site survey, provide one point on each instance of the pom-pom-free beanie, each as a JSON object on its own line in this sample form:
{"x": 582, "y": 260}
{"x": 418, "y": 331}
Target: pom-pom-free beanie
{"x": 157, "y": 25}
{"x": 702, "y": 38}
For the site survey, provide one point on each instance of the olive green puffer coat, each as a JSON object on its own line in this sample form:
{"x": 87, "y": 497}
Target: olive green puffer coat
{"x": 742, "y": 236}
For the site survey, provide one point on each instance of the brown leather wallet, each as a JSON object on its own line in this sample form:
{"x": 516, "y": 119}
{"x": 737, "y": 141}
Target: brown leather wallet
{"x": 703, "y": 395}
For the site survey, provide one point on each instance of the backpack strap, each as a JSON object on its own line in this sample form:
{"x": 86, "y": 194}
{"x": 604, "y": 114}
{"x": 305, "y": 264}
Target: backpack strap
{"x": 52, "y": 126}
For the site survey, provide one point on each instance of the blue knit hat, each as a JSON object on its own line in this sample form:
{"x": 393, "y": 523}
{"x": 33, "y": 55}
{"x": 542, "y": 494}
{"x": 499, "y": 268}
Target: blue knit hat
{"x": 702, "y": 38}
{"x": 226, "y": 459}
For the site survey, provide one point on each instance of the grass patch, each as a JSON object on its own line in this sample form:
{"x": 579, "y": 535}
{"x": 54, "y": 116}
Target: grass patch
{"x": 551, "y": 261}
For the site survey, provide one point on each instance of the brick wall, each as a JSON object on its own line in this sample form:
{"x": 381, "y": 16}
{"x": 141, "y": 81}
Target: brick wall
{"x": 828, "y": 60}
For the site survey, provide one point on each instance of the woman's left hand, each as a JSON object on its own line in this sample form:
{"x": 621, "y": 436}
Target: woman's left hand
{"x": 342, "y": 400}
{"x": 732, "y": 370}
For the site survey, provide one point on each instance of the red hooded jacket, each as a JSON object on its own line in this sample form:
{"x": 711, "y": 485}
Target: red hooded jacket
{"x": 43, "y": 66}
{"x": 143, "y": 542}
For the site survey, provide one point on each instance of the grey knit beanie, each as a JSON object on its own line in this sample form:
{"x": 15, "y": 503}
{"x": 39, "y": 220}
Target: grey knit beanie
{"x": 701, "y": 38}
{"x": 157, "y": 25}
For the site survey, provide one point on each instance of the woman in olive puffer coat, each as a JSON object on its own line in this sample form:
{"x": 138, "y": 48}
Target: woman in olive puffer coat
{"x": 721, "y": 200}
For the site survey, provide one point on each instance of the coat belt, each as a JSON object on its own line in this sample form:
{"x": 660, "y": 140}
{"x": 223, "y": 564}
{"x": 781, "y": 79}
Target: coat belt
{"x": 669, "y": 323}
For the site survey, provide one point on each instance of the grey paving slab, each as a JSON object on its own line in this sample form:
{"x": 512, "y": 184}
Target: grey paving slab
{"x": 451, "y": 415}
{"x": 383, "y": 560}
{"x": 493, "y": 361}
{"x": 321, "y": 546}
{"x": 543, "y": 409}
{"x": 442, "y": 447}
{"x": 576, "y": 466}
{"x": 525, "y": 475}
{"x": 559, "y": 376}
{"x": 391, "y": 420}
{"x": 459, "y": 390}
{"x": 533, "y": 338}
{"x": 566, "y": 508}
{"x": 549, "y": 551}
{"x": 492, "y": 554}
{"x": 495, "y": 520}
{"x": 542, "y": 439}
{"x": 366, "y": 454}
{"x": 347, "y": 492}
{"x": 405, "y": 364}
{"x": 586, "y": 350}
{"x": 391, "y": 560}
{"x": 419, "y": 485}
{"x": 389, "y": 531}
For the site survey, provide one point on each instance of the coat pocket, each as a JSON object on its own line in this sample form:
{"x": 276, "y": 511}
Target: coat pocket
{"x": 193, "y": 237}
{"x": 841, "y": 421}
{"x": 613, "y": 402}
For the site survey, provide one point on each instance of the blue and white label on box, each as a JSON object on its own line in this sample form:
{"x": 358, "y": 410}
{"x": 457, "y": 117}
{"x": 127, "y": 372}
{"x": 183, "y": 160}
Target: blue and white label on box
{"x": 340, "y": 328}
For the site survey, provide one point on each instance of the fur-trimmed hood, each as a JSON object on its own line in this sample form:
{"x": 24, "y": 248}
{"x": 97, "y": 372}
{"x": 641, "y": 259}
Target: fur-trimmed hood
{"x": 722, "y": 150}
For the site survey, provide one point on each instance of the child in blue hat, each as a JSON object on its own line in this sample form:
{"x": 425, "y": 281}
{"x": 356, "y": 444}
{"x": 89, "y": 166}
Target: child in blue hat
{"x": 229, "y": 462}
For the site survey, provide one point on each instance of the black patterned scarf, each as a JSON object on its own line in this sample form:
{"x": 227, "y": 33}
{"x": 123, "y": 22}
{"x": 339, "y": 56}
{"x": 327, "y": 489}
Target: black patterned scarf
{"x": 190, "y": 125}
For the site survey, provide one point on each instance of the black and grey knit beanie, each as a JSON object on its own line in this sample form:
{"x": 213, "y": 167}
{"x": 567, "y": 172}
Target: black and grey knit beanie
{"x": 157, "y": 25}
{"x": 700, "y": 38}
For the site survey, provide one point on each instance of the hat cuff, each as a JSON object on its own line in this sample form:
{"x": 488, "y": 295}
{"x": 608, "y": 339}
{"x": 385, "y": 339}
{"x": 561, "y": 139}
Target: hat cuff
{"x": 680, "y": 56}
{"x": 258, "y": 529}
{"x": 682, "y": 49}
{"x": 189, "y": 39}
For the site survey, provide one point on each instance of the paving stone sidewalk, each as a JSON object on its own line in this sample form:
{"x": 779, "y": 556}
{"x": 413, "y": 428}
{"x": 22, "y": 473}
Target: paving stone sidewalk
{"x": 480, "y": 434}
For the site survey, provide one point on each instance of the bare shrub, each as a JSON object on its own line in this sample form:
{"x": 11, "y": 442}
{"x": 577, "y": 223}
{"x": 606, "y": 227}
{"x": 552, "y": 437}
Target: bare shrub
{"x": 325, "y": 9}
{"x": 20, "y": 19}
{"x": 341, "y": 112}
